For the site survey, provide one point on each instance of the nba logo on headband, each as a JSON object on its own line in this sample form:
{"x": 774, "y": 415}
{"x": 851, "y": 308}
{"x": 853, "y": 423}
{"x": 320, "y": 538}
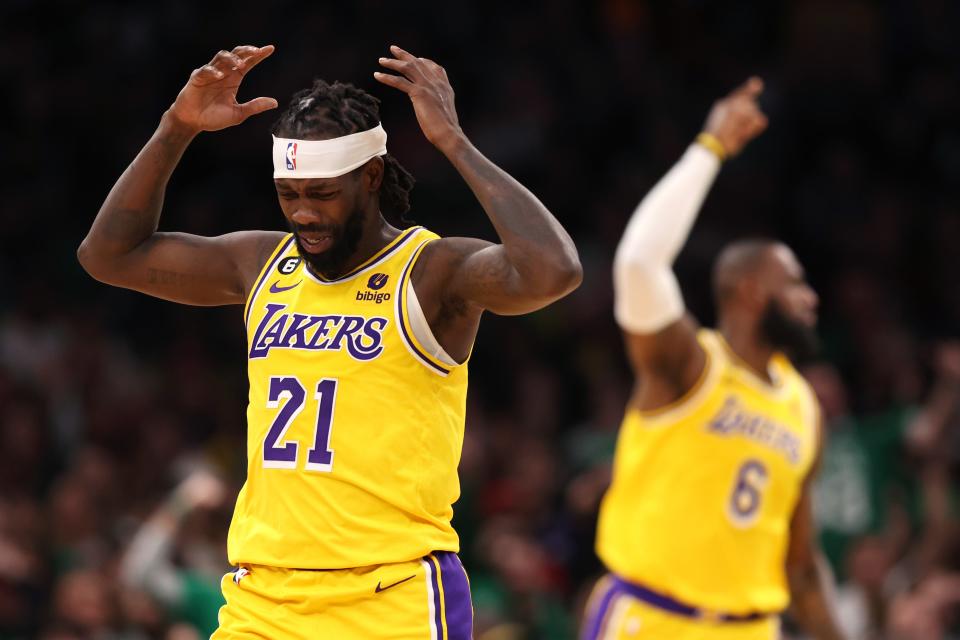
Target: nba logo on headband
{"x": 292, "y": 156}
{"x": 302, "y": 159}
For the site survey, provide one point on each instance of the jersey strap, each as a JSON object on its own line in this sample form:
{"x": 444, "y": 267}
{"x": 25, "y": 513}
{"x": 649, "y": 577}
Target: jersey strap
{"x": 407, "y": 335}
{"x": 378, "y": 258}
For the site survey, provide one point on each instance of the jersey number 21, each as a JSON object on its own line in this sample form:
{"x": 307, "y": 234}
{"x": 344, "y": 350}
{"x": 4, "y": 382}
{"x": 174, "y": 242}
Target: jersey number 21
{"x": 281, "y": 454}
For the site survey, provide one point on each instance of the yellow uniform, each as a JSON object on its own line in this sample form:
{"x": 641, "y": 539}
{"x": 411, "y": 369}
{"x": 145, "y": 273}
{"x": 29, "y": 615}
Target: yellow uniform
{"x": 354, "y": 437}
{"x": 695, "y": 525}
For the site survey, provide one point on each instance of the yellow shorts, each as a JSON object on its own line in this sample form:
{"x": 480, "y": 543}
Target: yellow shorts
{"x": 426, "y": 599}
{"x": 613, "y": 613}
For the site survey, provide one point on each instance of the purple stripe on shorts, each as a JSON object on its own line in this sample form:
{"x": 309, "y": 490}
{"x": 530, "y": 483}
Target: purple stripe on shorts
{"x": 593, "y": 625}
{"x": 437, "y": 614}
{"x": 456, "y": 596}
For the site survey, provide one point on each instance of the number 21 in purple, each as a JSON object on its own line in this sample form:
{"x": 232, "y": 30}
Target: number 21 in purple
{"x": 278, "y": 454}
{"x": 320, "y": 457}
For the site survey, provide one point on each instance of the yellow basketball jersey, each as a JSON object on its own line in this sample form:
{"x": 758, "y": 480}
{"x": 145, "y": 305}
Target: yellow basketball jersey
{"x": 704, "y": 490}
{"x": 354, "y": 430}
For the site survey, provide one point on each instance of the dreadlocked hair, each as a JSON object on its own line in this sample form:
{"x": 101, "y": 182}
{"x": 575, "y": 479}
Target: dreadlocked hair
{"x": 340, "y": 109}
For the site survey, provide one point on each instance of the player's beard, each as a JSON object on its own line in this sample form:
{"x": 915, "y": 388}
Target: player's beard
{"x": 346, "y": 237}
{"x": 798, "y": 340}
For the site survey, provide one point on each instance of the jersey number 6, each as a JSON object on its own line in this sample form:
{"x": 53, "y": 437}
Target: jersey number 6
{"x": 280, "y": 454}
{"x": 747, "y": 493}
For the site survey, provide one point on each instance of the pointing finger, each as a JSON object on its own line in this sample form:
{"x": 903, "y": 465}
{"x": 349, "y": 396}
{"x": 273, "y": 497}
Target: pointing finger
{"x": 752, "y": 88}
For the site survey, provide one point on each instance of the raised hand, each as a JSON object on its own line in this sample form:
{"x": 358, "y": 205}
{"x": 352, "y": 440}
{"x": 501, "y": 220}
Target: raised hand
{"x": 429, "y": 89}
{"x": 737, "y": 119}
{"x": 201, "y": 490}
{"x": 209, "y": 100}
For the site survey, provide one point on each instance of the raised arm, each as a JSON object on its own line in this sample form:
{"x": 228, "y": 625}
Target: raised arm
{"x": 925, "y": 434}
{"x": 123, "y": 247}
{"x": 660, "y": 335}
{"x": 148, "y": 562}
{"x": 536, "y": 262}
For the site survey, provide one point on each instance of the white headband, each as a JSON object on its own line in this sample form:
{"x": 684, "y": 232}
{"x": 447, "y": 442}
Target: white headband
{"x": 326, "y": 158}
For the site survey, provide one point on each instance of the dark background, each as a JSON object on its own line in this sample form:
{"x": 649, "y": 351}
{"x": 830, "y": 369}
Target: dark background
{"x": 109, "y": 398}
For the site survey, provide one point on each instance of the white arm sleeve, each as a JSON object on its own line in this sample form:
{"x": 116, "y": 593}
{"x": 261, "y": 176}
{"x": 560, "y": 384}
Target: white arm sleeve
{"x": 647, "y": 295}
{"x": 147, "y": 564}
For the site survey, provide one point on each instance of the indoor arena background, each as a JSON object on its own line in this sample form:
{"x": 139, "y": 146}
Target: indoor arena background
{"x": 109, "y": 400}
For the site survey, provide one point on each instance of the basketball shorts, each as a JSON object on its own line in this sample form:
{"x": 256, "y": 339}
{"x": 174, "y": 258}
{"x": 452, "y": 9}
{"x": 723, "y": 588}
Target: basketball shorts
{"x": 425, "y": 599}
{"x": 618, "y": 611}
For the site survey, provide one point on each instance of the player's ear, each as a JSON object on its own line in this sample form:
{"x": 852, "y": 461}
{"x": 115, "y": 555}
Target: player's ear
{"x": 372, "y": 176}
{"x": 752, "y": 293}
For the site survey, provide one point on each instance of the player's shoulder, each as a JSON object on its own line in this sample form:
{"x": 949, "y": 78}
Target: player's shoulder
{"x": 252, "y": 249}
{"x": 454, "y": 246}
{"x": 805, "y": 398}
{"x": 440, "y": 260}
{"x": 254, "y": 243}
{"x": 788, "y": 370}
{"x": 717, "y": 351}
{"x": 708, "y": 338}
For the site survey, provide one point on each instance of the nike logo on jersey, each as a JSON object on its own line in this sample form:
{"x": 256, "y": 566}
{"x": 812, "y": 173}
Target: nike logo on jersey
{"x": 276, "y": 288}
{"x": 391, "y": 586}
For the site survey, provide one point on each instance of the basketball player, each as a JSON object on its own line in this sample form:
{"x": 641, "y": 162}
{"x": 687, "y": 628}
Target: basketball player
{"x": 358, "y": 334}
{"x": 706, "y": 528}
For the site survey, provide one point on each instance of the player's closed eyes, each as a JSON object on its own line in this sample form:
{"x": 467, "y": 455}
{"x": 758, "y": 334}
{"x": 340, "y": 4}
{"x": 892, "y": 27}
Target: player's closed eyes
{"x": 292, "y": 195}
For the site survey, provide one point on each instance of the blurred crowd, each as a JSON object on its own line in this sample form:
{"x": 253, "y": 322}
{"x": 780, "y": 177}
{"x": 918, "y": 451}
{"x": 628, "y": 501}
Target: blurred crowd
{"x": 122, "y": 418}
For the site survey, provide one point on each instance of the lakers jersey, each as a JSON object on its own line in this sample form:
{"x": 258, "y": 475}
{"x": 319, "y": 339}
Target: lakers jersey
{"x": 354, "y": 428}
{"x": 704, "y": 490}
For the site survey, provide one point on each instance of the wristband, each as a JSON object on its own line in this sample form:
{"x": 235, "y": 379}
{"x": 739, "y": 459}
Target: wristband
{"x": 711, "y": 142}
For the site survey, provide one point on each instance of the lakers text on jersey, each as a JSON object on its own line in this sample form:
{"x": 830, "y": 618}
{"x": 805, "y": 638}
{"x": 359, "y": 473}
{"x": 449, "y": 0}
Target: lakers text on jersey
{"x": 704, "y": 490}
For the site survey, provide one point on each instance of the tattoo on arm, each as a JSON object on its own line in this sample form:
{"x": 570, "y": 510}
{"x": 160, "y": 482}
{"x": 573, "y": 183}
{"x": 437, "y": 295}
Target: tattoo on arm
{"x": 131, "y": 212}
{"x": 536, "y": 251}
{"x": 170, "y": 278}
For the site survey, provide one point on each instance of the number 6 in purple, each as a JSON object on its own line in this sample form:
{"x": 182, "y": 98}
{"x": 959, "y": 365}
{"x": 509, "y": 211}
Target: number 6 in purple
{"x": 276, "y": 456}
{"x": 747, "y": 493}
{"x": 320, "y": 457}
